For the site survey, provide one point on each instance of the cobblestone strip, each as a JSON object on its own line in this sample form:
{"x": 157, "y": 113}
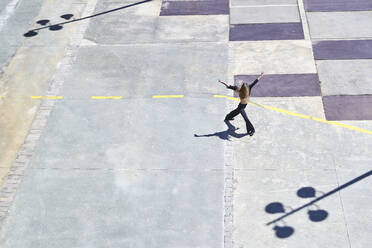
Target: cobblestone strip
{"x": 228, "y": 220}
{"x": 228, "y": 189}
{"x": 228, "y": 194}
{"x": 16, "y": 173}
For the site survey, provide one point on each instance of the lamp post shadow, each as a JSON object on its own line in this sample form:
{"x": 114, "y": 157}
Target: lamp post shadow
{"x": 314, "y": 215}
{"x": 58, "y": 26}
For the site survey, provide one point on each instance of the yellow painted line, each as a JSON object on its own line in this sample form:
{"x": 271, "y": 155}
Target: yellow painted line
{"x": 227, "y": 97}
{"x": 219, "y": 96}
{"x": 350, "y": 127}
{"x": 107, "y": 97}
{"x": 301, "y": 115}
{"x": 168, "y": 96}
{"x": 46, "y": 97}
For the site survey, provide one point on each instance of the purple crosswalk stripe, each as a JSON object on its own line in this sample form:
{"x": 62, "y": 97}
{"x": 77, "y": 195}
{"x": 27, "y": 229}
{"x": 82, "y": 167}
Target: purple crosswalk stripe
{"x": 212, "y": 7}
{"x": 282, "y": 85}
{"x": 338, "y": 5}
{"x": 343, "y": 49}
{"x": 266, "y": 31}
{"x": 357, "y": 107}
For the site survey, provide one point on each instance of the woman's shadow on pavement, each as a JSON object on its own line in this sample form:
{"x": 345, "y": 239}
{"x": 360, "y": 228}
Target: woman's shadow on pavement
{"x": 225, "y": 135}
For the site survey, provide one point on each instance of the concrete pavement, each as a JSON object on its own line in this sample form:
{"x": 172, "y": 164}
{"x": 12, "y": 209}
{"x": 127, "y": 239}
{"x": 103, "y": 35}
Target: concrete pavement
{"x": 138, "y": 171}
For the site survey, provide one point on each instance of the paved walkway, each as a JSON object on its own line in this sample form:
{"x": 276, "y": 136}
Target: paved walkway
{"x": 120, "y": 115}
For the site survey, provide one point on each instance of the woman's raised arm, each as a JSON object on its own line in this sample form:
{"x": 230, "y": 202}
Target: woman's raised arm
{"x": 228, "y": 86}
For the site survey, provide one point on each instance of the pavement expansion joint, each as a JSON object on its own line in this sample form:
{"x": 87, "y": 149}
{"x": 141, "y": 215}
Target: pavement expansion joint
{"x": 162, "y": 43}
{"x": 128, "y": 169}
{"x": 354, "y": 38}
{"x": 263, "y": 6}
{"x": 107, "y": 97}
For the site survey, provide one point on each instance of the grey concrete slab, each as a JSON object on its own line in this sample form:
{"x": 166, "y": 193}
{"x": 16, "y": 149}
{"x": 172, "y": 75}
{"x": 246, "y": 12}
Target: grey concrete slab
{"x": 137, "y": 22}
{"x": 270, "y": 146}
{"x": 360, "y": 179}
{"x": 262, "y": 2}
{"x": 192, "y": 28}
{"x": 348, "y": 107}
{"x": 80, "y": 208}
{"x": 272, "y": 57}
{"x": 359, "y": 231}
{"x": 269, "y": 14}
{"x": 355, "y": 155}
{"x": 259, "y": 182}
{"x": 339, "y": 25}
{"x": 149, "y": 194}
{"x": 194, "y": 8}
{"x": 342, "y": 49}
{"x": 356, "y": 201}
{"x": 91, "y": 77}
{"x": 193, "y": 0}
{"x": 337, "y": 5}
{"x": 142, "y": 24}
{"x": 115, "y": 149}
{"x": 345, "y": 77}
{"x": 282, "y": 85}
{"x": 146, "y": 70}
{"x": 258, "y": 188}
{"x": 268, "y": 31}
{"x": 114, "y": 134}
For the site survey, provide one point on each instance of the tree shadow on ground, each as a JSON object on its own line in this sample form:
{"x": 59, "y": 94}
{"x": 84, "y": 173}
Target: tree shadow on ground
{"x": 225, "y": 135}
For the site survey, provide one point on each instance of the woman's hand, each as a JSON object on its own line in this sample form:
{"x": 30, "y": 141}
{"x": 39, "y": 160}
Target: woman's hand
{"x": 261, "y": 76}
{"x": 223, "y": 83}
